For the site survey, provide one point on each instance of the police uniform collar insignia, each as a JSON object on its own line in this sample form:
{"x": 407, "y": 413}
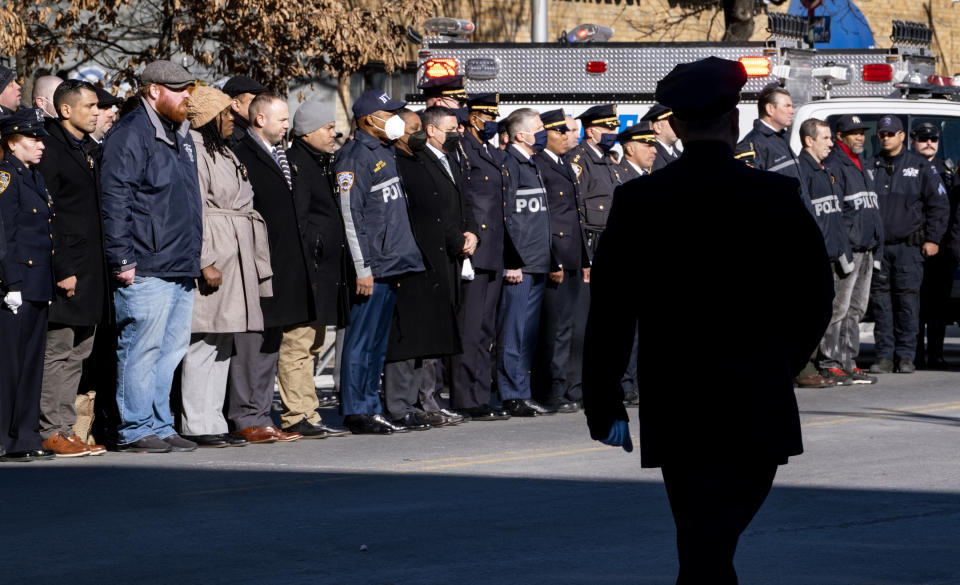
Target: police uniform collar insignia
{"x": 4, "y": 181}
{"x": 345, "y": 181}
{"x": 577, "y": 169}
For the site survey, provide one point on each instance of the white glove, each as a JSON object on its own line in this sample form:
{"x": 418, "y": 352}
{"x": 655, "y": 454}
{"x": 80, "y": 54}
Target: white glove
{"x": 467, "y": 272}
{"x": 13, "y": 300}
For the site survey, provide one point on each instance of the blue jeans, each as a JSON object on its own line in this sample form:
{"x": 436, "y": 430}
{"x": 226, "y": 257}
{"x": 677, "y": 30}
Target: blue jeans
{"x": 365, "y": 349}
{"x": 153, "y": 325}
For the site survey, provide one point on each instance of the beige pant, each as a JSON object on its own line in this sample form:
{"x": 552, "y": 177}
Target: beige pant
{"x": 300, "y": 345}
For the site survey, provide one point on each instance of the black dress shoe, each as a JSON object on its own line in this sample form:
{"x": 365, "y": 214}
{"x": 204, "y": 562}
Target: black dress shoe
{"x": 454, "y": 416}
{"x": 368, "y": 424}
{"x": 526, "y": 407}
{"x": 483, "y": 413}
{"x": 211, "y": 441}
{"x": 308, "y": 429}
{"x": 562, "y": 405}
{"x": 434, "y": 419}
{"x": 234, "y": 441}
{"x": 327, "y": 399}
{"x": 27, "y": 456}
{"x": 412, "y": 422}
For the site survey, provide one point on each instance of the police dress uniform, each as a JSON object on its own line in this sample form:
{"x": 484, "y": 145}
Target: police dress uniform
{"x": 915, "y": 209}
{"x": 665, "y": 156}
{"x": 718, "y": 451}
{"x": 639, "y": 132}
{"x": 26, "y": 209}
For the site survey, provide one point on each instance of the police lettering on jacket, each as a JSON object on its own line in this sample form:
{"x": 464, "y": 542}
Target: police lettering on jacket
{"x": 823, "y": 190}
{"x": 374, "y": 209}
{"x": 911, "y": 197}
{"x": 861, "y": 210}
{"x": 527, "y": 219}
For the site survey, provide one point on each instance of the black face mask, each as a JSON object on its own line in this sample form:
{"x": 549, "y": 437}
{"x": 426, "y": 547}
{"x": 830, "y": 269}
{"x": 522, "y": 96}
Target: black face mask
{"x": 451, "y": 142}
{"x": 417, "y": 140}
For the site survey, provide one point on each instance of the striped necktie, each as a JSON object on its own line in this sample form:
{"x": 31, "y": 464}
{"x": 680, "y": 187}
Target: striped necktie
{"x": 281, "y": 157}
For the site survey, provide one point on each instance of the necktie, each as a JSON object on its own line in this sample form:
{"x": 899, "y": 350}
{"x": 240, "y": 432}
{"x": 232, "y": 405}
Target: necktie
{"x": 446, "y": 165}
{"x": 281, "y": 157}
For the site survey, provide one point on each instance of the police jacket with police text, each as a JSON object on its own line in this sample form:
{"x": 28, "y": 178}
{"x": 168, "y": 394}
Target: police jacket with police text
{"x": 773, "y": 150}
{"x": 150, "y": 194}
{"x": 861, "y": 212}
{"x": 527, "y": 219}
{"x": 566, "y": 211}
{"x": 911, "y": 197}
{"x": 598, "y": 177}
{"x": 26, "y": 211}
{"x": 827, "y": 209}
{"x": 374, "y": 209}
{"x": 485, "y": 184}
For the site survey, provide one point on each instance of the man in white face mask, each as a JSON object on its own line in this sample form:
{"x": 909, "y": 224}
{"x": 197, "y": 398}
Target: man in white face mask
{"x": 381, "y": 243}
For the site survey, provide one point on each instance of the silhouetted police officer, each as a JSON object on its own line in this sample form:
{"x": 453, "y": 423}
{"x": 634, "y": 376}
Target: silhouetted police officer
{"x": 718, "y": 451}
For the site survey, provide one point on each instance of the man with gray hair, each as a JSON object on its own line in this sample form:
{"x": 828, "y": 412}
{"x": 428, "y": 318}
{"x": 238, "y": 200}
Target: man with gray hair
{"x": 43, "y": 89}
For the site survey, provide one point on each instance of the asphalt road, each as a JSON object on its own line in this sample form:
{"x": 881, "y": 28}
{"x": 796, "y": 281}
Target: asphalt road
{"x": 874, "y": 500}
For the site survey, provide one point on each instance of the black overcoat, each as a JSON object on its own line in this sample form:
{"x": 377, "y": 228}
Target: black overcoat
{"x": 425, "y": 319}
{"x": 72, "y": 173}
{"x": 324, "y": 240}
{"x": 292, "y": 300}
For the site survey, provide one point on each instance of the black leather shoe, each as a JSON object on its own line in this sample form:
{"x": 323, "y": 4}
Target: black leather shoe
{"x": 412, "y": 421}
{"x": 212, "y": 441}
{"x": 434, "y": 419}
{"x": 483, "y": 413}
{"x": 368, "y": 424}
{"x": 455, "y": 417}
{"x": 526, "y": 407}
{"x": 308, "y": 429}
{"x": 27, "y": 456}
{"x": 327, "y": 399}
{"x": 234, "y": 441}
{"x": 562, "y": 405}
{"x": 937, "y": 363}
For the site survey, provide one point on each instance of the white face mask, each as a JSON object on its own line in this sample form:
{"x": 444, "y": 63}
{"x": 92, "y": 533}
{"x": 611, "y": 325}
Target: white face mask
{"x": 393, "y": 127}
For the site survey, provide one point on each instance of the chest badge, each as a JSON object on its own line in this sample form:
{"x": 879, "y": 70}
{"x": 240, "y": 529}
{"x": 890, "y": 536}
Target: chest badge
{"x": 911, "y": 172}
{"x": 577, "y": 169}
{"x": 189, "y": 150}
{"x": 4, "y": 181}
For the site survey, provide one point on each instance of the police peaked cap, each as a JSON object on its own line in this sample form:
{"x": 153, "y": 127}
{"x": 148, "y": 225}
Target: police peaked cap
{"x": 555, "y": 120}
{"x": 924, "y": 128}
{"x": 702, "y": 90}
{"x": 449, "y": 86}
{"x": 239, "y": 84}
{"x": 105, "y": 99}
{"x": 28, "y": 122}
{"x": 602, "y": 115}
{"x": 488, "y": 103}
{"x": 656, "y": 113}
{"x": 639, "y": 132}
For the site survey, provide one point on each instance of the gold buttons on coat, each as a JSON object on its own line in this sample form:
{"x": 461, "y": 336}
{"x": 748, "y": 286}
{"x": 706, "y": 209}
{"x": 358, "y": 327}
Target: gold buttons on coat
{"x": 30, "y": 262}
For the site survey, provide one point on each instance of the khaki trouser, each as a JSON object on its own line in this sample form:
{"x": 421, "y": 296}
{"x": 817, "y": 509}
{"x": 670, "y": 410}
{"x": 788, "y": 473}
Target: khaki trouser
{"x": 300, "y": 345}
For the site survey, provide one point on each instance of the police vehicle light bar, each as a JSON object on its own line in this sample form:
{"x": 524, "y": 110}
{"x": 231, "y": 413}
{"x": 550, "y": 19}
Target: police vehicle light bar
{"x": 439, "y": 68}
{"x": 448, "y": 27}
{"x": 941, "y": 80}
{"x": 589, "y": 33}
{"x": 756, "y": 66}
{"x": 878, "y": 72}
{"x": 597, "y": 67}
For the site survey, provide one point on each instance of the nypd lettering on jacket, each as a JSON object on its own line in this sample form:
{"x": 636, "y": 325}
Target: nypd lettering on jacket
{"x": 526, "y": 222}
{"x": 911, "y": 197}
{"x": 374, "y": 209}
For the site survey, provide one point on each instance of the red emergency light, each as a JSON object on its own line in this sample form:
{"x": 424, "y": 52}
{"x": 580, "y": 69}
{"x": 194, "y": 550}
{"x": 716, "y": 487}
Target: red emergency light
{"x": 877, "y": 72}
{"x": 756, "y": 66}
{"x": 940, "y": 80}
{"x": 597, "y": 67}
{"x": 440, "y": 68}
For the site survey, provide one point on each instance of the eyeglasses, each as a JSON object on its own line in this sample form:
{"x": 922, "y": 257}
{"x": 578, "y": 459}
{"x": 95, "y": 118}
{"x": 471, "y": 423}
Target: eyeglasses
{"x": 886, "y": 134}
{"x": 928, "y": 138}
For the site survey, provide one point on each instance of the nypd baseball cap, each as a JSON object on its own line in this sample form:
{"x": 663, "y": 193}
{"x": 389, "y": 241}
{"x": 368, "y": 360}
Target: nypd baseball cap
{"x": 850, "y": 123}
{"x": 890, "y": 123}
{"x": 374, "y": 100}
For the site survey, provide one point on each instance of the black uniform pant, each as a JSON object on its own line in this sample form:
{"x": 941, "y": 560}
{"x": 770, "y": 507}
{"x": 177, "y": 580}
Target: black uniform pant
{"x": 712, "y": 504}
{"x": 557, "y": 325}
{"x": 934, "y": 303}
{"x": 404, "y": 382}
{"x": 253, "y": 369}
{"x": 472, "y": 374}
{"x": 575, "y": 392}
{"x": 23, "y": 338}
{"x": 895, "y": 294}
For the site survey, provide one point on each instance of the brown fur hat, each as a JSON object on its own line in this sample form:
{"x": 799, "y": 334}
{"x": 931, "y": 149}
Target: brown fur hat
{"x": 204, "y": 104}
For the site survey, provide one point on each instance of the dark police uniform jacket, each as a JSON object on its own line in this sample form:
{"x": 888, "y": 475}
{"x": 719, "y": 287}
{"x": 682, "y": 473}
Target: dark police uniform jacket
{"x": 566, "y": 212}
{"x": 485, "y": 183}
{"x": 72, "y": 173}
{"x": 292, "y": 300}
{"x": 27, "y": 213}
{"x": 526, "y": 216}
{"x": 598, "y": 177}
{"x": 825, "y": 197}
{"x": 773, "y": 150}
{"x": 150, "y": 193}
{"x": 735, "y": 219}
{"x": 664, "y": 157}
{"x": 861, "y": 211}
{"x": 375, "y": 209}
{"x": 911, "y": 197}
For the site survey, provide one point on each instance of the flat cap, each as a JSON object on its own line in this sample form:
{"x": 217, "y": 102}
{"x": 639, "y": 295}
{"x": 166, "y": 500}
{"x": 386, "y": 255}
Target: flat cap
{"x": 6, "y": 76}
{"x": 242, "y": 84}
{"x": 449, "y": 86}
{"x": 374, "y": 100}
{"x": 656, "y": 113}
{"x": 849, "y": 123}
{"x": 312, "y": 115}
{"x": 28, "y": 122}
{"x": 639, "y": 132}
{"x": 924, "y": 129}
{"x": 555, "y": 120}
{"x": 702, "y": 90}
{"x": 602, "y": 115}
{"x": 485, "y": 102}
{"x": 890, "y": 123}
{"x": 167, "y": 73}
{"x": 105, "y": 99}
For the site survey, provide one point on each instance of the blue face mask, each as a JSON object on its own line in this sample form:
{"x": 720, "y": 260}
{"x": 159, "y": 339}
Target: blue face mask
{"x": 539, "y": 141}
{"x": 489, "y": 131}
{"x": 607, "y": 141}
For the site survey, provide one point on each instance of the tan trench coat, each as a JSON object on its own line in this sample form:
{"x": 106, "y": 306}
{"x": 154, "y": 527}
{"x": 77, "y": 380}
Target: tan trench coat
{"x": 235, "y": 243}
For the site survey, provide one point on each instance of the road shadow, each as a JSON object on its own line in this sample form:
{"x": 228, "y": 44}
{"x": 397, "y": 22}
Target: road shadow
{"x": 106, "y": 524}
{"x": 889, "y": 414}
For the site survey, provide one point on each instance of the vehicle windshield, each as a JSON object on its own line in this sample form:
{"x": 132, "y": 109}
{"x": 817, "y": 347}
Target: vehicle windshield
{"x": 948, "y": 150}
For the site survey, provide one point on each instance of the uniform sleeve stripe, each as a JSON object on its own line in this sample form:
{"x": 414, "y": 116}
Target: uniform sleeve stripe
{"x": 539, "y": 191}
{"x": 385, "y": 184}
{"x": 782, "y": 165}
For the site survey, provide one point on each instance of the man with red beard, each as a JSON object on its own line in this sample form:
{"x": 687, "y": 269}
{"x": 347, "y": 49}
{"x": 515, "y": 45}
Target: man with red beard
{"x": 152, "y": 223}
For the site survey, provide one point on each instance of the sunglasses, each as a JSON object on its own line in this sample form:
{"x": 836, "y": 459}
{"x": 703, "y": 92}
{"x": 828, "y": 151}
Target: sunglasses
{"x": 928, "y": 138}
{"x": 886, "y": 134}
